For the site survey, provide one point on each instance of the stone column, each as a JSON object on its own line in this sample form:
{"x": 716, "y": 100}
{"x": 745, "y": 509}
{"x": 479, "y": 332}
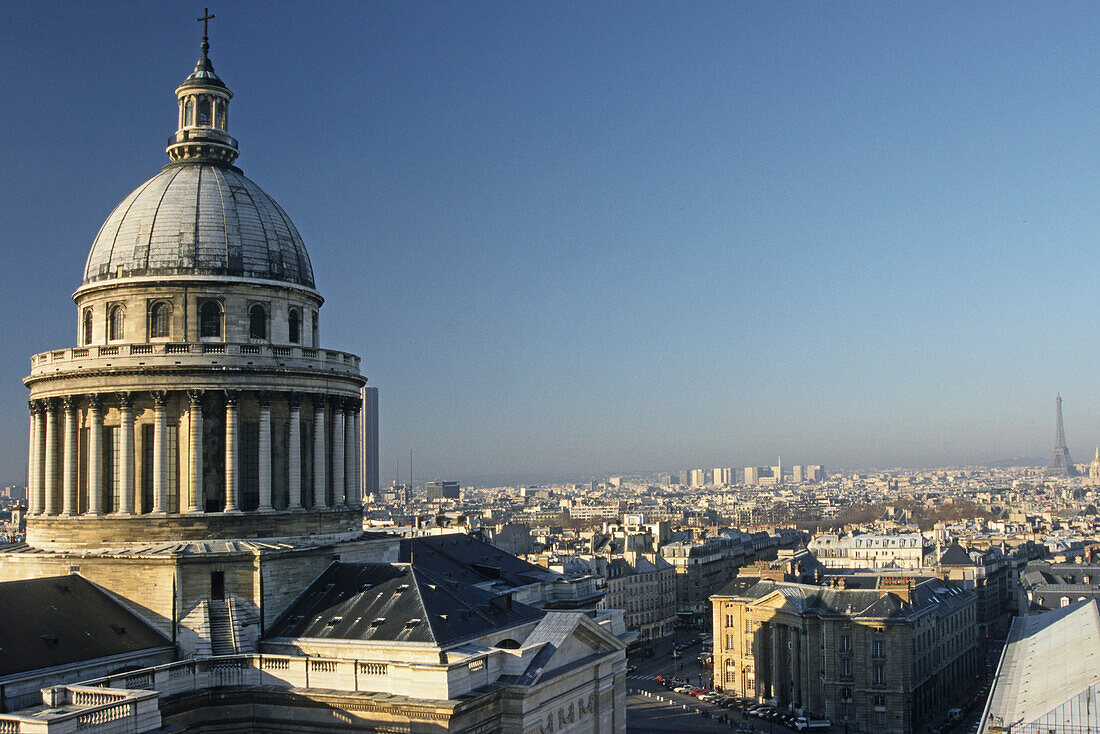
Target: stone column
{"x": 337, "y": 452}
{"x": 776, "y": 667}
{"x": 794, "y": 672}
{"x": 353, "y": 495}
{"x": 194, "y": 450}
{"x": 69, "y": 462}
{"x": 32, "y": 441}
{"x": 160, "y": 452}
{"x": 52, "y": 457}
{"x": 40, "y": 456}
{"x": 294, "y": 453}
{"x": 319, "y": 453}
{"x": 95, "y": 455}
{"x": 231, "y": 436}
{"x": 126, "y": 454}
{"x": 265, "y": 452}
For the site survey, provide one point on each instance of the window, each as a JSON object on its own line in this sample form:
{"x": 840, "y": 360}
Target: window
{"x": 879, "y": 677}
{"x": 189, "y": 112}
{"x": 114, "y": 326}
{"x": 210, "y": 319}
{"x": 878, "y": 649}
{"x": 158, "y": 320}
{"x": 204, "y": 111}
{"x": 294, "y": 322}
{"x": 845, "y": 643}
{"x": 731, "y": 642}
{"x": 257, "y": 322}
{"x": 315, "y": 331}
{"x": 87, "y": 333}
{"x": 845, "y": 668}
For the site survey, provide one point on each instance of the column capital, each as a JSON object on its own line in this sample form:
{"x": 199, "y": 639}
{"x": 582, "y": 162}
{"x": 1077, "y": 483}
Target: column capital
{"x": 232, "y": 397}
{"x": 33, "y": 407}
{"x": 160, "y": 397}
{"x": 353, "y": 405}
{"x": 68, "y": 402}
{"x": 264, "y": 396}
{"x": 194, "y": 396}
{"x": 294, "y": 399}
{"x": 125, "y": 399}
{"x": 95, "y": 401}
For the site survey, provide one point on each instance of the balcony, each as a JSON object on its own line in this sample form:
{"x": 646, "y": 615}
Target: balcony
{"x": 191, "y": 354}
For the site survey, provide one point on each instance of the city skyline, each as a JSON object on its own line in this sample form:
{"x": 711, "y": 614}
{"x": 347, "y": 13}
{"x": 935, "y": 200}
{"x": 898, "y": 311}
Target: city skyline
{"x": 599, "y": 239}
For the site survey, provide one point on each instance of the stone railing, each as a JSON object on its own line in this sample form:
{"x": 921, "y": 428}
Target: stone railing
{"x": 73, "y": 709}
{"x": 290, "y": 671}
{"x": 203, "y": 354}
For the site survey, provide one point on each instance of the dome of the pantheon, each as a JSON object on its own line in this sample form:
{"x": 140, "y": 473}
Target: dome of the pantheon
{"x": 195, "y": 218}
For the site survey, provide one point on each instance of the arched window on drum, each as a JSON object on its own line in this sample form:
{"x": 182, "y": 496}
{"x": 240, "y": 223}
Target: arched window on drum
{"x": 210, "y": 319}
{"x": 159, "y": 316}
{"x": 294, "y": 326}
{"x": 115, "y": 324}
{"x": 257, "y": 322}
{"x": 86, "y": 327}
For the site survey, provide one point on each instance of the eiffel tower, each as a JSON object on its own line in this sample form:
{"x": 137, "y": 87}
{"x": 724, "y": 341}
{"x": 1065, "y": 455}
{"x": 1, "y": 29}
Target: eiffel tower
{"x": 1061, "y": 464}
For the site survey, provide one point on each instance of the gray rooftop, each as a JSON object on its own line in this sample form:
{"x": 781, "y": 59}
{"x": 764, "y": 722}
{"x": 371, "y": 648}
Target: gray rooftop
{"x": 199, "y": 219}
{"x": 397, "y": 603}
{"x": 65, "y": 619}
{"x": 1050, "y": 660}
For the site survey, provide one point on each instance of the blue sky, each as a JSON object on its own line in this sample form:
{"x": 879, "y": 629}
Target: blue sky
{"x": 575, "y": 238}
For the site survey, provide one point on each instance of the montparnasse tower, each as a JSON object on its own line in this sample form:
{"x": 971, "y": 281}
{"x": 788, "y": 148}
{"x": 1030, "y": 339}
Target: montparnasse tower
{"x": 198, "y": 423}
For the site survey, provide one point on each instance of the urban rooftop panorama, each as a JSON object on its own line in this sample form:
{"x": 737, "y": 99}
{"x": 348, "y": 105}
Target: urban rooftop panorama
{"x": 521, "y": 245}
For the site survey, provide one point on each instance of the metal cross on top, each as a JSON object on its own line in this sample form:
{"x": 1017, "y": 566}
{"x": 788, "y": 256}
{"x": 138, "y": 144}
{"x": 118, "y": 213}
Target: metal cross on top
{"x": 206, "y": 18}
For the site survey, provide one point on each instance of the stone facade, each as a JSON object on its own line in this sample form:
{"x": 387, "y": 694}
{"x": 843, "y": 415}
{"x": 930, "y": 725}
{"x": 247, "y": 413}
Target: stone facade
{"x": 885, "y": 655}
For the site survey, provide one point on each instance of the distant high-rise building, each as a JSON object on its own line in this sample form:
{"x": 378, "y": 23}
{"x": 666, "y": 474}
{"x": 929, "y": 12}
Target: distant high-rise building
{"x": 797, "y": 474}
{"x": 442, "y": 490}
{"x": 723, "y": 476}
{"x": 752, "y": 475}
{"x": 815, "y": 473}
{"x": 369, "y": 470}
{"x": 1062, "y": 463}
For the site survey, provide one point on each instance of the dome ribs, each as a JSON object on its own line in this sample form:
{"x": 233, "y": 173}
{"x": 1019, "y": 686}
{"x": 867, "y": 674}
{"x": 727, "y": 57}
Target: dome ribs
{"x": 199, "y": 219}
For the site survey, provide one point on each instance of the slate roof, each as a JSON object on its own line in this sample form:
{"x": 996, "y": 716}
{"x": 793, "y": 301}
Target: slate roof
{"x": 199, "y": 219}
{"x": 61, "y": 620}
{"x": 461, "y": 557}
{"x": 956, "y": 555}
{"x": 380, "y": 601}
{"x": 855, "y": 601}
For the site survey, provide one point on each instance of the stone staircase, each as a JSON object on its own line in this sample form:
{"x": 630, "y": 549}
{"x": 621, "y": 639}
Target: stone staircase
{"x": 222, "y": 634}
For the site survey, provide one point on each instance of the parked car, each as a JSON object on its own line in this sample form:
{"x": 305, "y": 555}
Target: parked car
{"x": 682, "y": 689}
{"x": 804, "y": 723}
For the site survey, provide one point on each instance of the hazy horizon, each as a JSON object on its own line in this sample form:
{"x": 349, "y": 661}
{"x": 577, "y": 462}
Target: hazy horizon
{"x": 570, "y": 237}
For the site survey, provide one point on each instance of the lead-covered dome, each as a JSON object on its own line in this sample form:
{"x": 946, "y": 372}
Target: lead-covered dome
{"x": 199, "y": 219}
